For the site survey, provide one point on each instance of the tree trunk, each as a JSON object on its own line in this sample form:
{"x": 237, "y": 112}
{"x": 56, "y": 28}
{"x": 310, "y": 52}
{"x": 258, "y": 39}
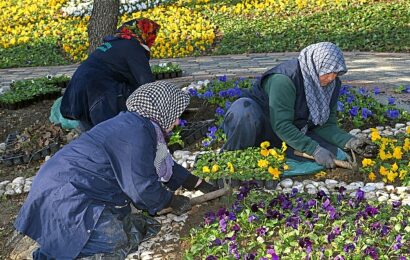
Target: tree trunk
{"x": 103, "y": 21}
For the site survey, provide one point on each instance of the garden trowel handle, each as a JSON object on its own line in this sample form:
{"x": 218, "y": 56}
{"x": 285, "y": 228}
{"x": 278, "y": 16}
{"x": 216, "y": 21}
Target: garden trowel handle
{"x": 201, "y": 199}
{"x": 339, "y": 163}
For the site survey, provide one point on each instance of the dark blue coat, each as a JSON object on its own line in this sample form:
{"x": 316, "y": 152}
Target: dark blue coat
{"x": 102, "y": 83}
{"x": 109, "y": 166}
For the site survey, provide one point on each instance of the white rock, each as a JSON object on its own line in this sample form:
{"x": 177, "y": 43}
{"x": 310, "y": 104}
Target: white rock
{"x": 408, "y": 123}
{"x": 370, "y": 195}
{"x": 310, "y": 186}
{"x": 366, "y": 131}
{"x": 167, "y": 249}
{"x": 323, "y": 188}
{"x": 287, "y": 190}
{"x": 380, "y": 128}
{"x": 191, "y": 157}
{"x": 146, "y": 253}
{"x": 9, "y": 192}
{"x": 382, "y": 194}
{"x": 185, "y": 165}
{"x": 306, "y": 182}
{"x": 26, "y": 188}
{"x": 30, "y": 178}
{"x": 2, "y": 192}
{"x": 278, "y": 188}
{"x": 382, "y": 198}
{"x": 4, "y": 184}
{"x": 394, "y": 197}
{"x": 2, "y": 147}
{"x": 390, "y": 188}
{"x": 402, "y": 189}
{"x": 18, "y": 180}
{"x": 368, "y": 188}
{"x": 147, "y": 257}
{"x": 298, "y": 185}
{"x": 286, "y": 183}
{"x": 355, "y": 131}
{"x": 169, "y": 237}
{"x": 351, "y": 187}
{"x": 178, "y": 154}
{"x": 315, "y": 183}
{"x": 181, "y": 218}
{"x": 331, "y": 182}
{"x": 47, "y": 158}
{"x": 406, "y": 202}
{"x": 19, "y": 190}
{"x": 358, "y": 184}
{"x": 399, "y": 125}
{"x": 312, "y": 191}
{"x": 387, "y": 132}
{"x": 379, "y": 185}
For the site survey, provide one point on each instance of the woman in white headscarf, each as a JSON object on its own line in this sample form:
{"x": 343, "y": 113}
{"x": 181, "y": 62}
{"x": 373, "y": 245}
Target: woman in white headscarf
{"x": 79, "y": 203}
{"x": 294, "y": 102}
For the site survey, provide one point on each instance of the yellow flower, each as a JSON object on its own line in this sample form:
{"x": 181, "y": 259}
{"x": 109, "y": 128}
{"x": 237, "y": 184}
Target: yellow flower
{"x": 264, "y": 152}
{"x": 231, "y": 168}
{"x": 372, "y": 176}
{"x": 263, "y": 163}
{"x": 265, "y": 144}
{"x": 408, "y": 130}
{"x": 274, "y": 172}
{"x": 394, "y": 167}
{"x": 402, "y": 174}
{"x": 367, "y": 162}
{"x": 286, "y": 167}
{"x": 397, "y": 153}
{"x": 383, "y": 171}
{"x": 273, "y": 153}
{"x": 284, "y": 147}
{"x": 391, "y": 176}
{"x": 375, "y": 135}
{"x": 406, "y": 145}
{"x": 206, "y": 169}
{"x": 215, "y": 168}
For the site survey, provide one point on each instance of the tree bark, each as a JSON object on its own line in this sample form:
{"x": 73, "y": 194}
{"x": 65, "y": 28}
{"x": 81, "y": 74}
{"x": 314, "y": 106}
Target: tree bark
{"x": 103, "y": 21}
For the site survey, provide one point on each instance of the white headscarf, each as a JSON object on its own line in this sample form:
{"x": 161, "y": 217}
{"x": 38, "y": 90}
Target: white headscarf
{"x": 317, "y": 60}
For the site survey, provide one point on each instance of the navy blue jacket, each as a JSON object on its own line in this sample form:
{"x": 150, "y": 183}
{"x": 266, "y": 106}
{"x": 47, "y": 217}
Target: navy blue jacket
{"x": 101, "y": 85}
{"x": 111, "y": 166}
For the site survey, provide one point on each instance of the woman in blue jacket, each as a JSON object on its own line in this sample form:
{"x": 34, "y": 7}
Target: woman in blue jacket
{"x": 102, "y": 83}
{"x": 81, "y": 196}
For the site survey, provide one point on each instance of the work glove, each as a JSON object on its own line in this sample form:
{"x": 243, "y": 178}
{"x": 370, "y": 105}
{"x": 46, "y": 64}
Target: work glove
{"x": 324, "y": 157}
{"x": 180, "y": 204}
{"x": 361, "y": 146}
{"x": 206, "y": 187}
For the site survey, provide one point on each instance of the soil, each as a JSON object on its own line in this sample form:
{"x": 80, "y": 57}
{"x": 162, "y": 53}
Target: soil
{"x": 38, "y": 113}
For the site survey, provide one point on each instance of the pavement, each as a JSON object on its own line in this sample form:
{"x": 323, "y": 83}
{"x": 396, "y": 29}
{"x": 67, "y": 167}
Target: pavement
{"x": 365, "y": 68}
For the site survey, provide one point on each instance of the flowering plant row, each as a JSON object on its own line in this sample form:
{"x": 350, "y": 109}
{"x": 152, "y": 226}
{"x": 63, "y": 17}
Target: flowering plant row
{"x": 262, "y": 163}
{"x": 84, "y": 7}
{"x": 358, "y": 108}
{"x": 392, "y": 160}
{"x": 264, "y": 226}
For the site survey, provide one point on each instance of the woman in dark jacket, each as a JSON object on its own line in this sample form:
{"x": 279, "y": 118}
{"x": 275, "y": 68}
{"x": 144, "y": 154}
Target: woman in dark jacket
{"x": 101, "y": 84}
{"x": 294, "y": 102}
{"x": 80, "y": 200}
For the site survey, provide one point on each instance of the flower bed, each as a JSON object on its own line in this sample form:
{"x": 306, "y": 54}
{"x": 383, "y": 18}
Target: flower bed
{"x": 262, "y": 225}
{"x": 25, "y": 92}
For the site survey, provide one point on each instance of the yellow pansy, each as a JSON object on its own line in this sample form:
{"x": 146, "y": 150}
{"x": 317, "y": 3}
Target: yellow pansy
{"x": 273, "y": 153}
{"x": 397, "y": 153}
{"x": 264, "y": 152}
{"x": 391, "y": 176}
{"x": 284, "y": 147}
{"x": 206, "y": 169}
{"x": 265, "y": 144}
{"x": 372, "y": 176}
{"x": 406, "y": 145}
{"x": 367, "y": 162}
{"x": 274, "y": 172}
{"x": 383, "y": 171}
{"x": 394, "y": 167}
{"x": 408, "y": 130}
{"x": 402, "y": 174}
{"x": 286, "y": 167}
{"x": 375, "y": 135}
{"x": 215, "y": 168}
{"x": 231, "y": 168}
{"x": 263, "y": 163}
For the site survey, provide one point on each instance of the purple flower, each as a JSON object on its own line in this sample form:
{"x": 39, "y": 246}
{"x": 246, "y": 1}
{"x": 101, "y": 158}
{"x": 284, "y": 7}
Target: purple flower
{"x": 236, "y": 206}
{"x": 340, "y": 106}
{"x": 350, "y": 99}
{"x": 235, "y": 227}
{"x": 233, "y": 249}
{"x": 274, "y": 214}
{"x": 305, "y": 243}
{"x": 366, "y": 113}
{"x": 406, "y": 89}
{"x": 227, "y": 105}
{"x": 222, "y": 225}
{"x": 376, "y": 90}
{"x": 392, "y": 114}
{"x": 231, "y": 216}
{"x": 250, "y": 256}
{"x": 375, "y": 226}
{"x": 344, "y": 90}
{"x": 353, "y": 111}
{"x": 254, "y": 207}
{"x": 398, "y": 243}
{"x": 182, "y": 122}
{"x": 396, "y": 204}
{"x": 261, "y": 231}
{"x": 209, "y": 218}
{"x": 371, "y": 211}
{"x": 339, "y": 257}
{"x": 222, "y": 78}
{"x": 211, "y": 257}
{"x": 362, "y": 91}
{"x": 359, "y": 195}
{"x": 321, "y": 194}
{"x": 222, "y": 213}
{"x": 385, "y": 230}
{"x": 402, "y": 258}
{"x": 349, "y": 248}
{"x": 252, "y": 218}
{"x": 206, "y": 143}
{"x": 208, "y": 94}
{"x": 311, "y": 203}
{"x": 372, "y": 252}
{"x": 193, "y": 92}
{"x": 217, "y": 242}
{"x": 391, "y": 100}
{"x": 293, "y": 221}
{"x": 223, "y": 93}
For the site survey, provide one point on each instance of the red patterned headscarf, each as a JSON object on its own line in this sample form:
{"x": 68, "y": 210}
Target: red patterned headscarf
{"x": 143, "y": 30}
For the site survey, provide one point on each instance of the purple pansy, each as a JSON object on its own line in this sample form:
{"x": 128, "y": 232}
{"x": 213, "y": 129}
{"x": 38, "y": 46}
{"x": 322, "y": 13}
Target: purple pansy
{"x": 376, "y": 91}
{"x": 391, "y": 100}
{"x": 223, "y": 78}
{"x": 372, "y": 252}
{"x": 366, "y": 113}
{"x": 354, "y": 111}
{"x": 392, "y": 113}
{"x": 209, "y": 218}
{"x": 340, "y": 106}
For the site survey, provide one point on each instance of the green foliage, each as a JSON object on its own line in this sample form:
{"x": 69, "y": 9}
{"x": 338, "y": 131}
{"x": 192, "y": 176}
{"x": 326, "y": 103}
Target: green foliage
{"x": 165, "y": 67}
{"x": 42, "y": 53}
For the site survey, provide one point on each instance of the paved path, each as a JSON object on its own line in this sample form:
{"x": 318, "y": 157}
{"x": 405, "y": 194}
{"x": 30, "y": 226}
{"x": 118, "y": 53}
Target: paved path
{"x": 385, "y": 69}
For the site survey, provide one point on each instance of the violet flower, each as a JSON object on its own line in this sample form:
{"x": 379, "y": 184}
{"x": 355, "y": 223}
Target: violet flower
{"x": 250, "y": 256}
{"x": 261, "y": 231}
{"x": 377, "y": 91}
{"x": 392, "y": 114}
{"x": 305, "y": 243}
{"x": 391, "y": 100}
{"x": 385, "y": 230}
{"x": 340, "y": 106}
{"x": 359, "y": 195}
{"x": 223, "y": 78}
{"x": 219, "y": 111}
{"x": 217, "y": 242}
{"x": 211, "y": 257}
{"x": 354, "y": 111}
{"x": 252, "y": 218}
{"x": 396, "y": 204}
{"x": 372, "y": 252}
{"x": 222, "y": 225}
{"x": 209, "y": 218}
{"x": 271, "y": 251}
{"x": 371, "y": 211}
{"x": 398, "y": 243}
{"x": 349, "y": 248}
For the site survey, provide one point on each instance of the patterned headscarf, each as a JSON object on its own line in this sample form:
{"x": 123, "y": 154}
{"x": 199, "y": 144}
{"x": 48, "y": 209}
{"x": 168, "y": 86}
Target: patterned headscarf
{"x": 316, "y": 60}
{"x": 160, "y": 101}
{"x": 143, "y": 30}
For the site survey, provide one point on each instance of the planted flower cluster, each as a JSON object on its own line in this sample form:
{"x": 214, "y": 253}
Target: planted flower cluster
{"x": 262, "y": 163}
{"x": 392, "y": 161}
{"x": 357, "y": 108}
{"x": 264, "y": 226}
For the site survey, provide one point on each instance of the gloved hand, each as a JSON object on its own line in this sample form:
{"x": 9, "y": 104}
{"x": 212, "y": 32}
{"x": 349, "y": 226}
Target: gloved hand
{"x": 324, "y": 157}
{"x": 180, "y": 204}
{"x": 206, "y": 187}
